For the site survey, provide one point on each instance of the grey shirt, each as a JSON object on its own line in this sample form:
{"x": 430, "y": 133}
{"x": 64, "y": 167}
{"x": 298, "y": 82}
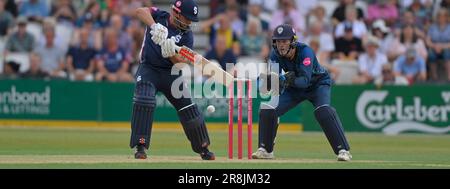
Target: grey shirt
{"x": 439, "y": 35}
{"x": 50, "y": 57}
{"x": 19, "y": 44}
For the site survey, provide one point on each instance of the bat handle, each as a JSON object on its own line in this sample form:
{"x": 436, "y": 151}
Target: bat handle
{"x": 177, "y": 48}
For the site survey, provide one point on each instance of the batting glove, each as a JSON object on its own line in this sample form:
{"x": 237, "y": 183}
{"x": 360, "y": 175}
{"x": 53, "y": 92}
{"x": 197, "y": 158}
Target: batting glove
{"x": 168, "y": 48}
{"x": 159, "y": 33}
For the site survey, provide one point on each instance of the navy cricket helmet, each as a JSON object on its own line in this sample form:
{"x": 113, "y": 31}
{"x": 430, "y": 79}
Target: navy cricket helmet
{"x": 187, "y": 8}
{"x": 284, "y": 32}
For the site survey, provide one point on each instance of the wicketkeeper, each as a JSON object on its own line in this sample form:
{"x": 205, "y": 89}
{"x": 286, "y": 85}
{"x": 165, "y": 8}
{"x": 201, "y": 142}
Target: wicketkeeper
{"x": 304, "y": 79}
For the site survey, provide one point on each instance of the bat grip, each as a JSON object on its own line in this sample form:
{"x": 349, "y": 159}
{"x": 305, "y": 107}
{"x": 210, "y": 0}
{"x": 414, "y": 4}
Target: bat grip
{"x": 177, "y": 48}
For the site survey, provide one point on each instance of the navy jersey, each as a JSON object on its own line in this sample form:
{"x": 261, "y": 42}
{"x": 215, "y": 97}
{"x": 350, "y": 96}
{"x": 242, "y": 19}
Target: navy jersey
{"x": 151, "y": 52}
{"x": 305, "y": 66}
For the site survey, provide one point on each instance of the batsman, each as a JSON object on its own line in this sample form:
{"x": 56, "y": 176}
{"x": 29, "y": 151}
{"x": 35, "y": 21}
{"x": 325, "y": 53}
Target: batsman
{"x": 303, "y": 79}
{"x": 158, "y": 55}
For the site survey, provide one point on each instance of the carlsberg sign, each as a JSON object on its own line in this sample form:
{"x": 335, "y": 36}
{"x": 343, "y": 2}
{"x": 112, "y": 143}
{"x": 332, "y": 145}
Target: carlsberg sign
{"x": 378, "y": 110}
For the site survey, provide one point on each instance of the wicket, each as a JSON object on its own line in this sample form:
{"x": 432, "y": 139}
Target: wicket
{"x": 240, "y": 96}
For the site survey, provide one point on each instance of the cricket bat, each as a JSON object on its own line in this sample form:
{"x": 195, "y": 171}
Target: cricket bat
{"x": 220, "y": 75}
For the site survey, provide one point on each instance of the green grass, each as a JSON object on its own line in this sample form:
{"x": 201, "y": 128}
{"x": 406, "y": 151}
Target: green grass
{"x": 101, "y": 148}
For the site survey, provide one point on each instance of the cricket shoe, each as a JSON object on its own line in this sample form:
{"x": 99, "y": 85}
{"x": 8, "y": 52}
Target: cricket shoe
{"x": 140, "y": 152}
{"x": 262, "y": 153}
{"x": 207, "y": 155}
{"x": 344, "y": 155}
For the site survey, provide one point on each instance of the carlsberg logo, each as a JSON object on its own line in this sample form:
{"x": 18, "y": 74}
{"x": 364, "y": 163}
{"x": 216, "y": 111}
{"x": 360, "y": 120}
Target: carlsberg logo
{"x": 400, "y": 117}
{"x": 14, "y": 97}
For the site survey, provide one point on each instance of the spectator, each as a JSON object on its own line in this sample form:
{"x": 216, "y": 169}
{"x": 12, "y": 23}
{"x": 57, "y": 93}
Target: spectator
{"x": 288, "y": 14}
{"x": 64, "y": 12}
{"x": 323, "y": 57}
{"x": 51, "y": 56}
{"x": 254, "y": 42}
{"x": 237, "y": 25}
{"x": 382, "y": 32}
{"x": 254, "y": 12}
{"x": 125, "y": 40}
{"x": 221, "y": 53}
{"x": 411, "y": 66}
{"x": 35, "y": 71}
{"x": 319, "y": 15}
{"x": 423, "y": 12}
{"x": 325, "y": 46}
{"x": 20, "y": 41}
{"x": 339, "y": 14}
{"x": 370, "y": 63}
{"x": 91, "y": 14}
{"x": 95, "y": 34}
{"x": 80, "y": 59}
{"x": 359, "y": 27}
{"x": 220, "y": 26}
{"x": 137, "y": 33}
{"x": 408, "y": 19}
{"x": 382, "y": 9}
{"x": 6, "y": 20}
{"x": 405, "y": 4}
{"x": 50, "y": 24}
{"x": 388, "y": 77}
{"x": 11, "y": 7}
{"x": 35, "y": 10}
{"x": 407, "y": 39}
{"x": 10, "y": 70}
{"x": 270, "y": 6}
{"x": 439, "y": 42}
{"x": 306, "y": 7}
{"x": 113, "y": 62}
{"x": 128, "y": 7}
{"x": 445, "y": 4}
{"x": 348, "y": 46}
{"x": 221, "y": 6}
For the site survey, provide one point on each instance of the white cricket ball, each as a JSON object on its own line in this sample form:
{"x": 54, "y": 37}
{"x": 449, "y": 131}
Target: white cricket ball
{"x": 211, "y": 109}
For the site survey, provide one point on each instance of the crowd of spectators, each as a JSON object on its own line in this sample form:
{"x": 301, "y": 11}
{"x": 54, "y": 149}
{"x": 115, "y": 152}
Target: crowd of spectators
{"x": 385, "y": 41}
{"x": 359, "y": 42}
{"x": 86, "y": 40}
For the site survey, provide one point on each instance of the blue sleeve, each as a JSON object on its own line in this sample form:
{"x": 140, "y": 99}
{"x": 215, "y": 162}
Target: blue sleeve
{"x": 305, "y": 66}
{"x": 398, "y": 64}
{"x": 423, "y": 67}
{"x": 44, "y": 10}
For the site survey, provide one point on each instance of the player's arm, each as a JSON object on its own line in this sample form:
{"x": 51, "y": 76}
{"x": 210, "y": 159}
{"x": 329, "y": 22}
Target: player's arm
{"x": 158, "y": 31}
{"x": 302, "y": 81}
{"x": 145, "y": 16}
{"x": 176, "y": 59}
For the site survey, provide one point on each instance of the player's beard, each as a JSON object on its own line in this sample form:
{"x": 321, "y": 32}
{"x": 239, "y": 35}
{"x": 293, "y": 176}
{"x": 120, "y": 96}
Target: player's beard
{"x": 181, "y": 25}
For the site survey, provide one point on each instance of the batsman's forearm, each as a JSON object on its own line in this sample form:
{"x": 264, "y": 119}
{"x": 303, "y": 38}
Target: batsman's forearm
{"x": 176, "y": 59}
{"x": 301, "y": 82}
{"x": 145, "y": 16}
